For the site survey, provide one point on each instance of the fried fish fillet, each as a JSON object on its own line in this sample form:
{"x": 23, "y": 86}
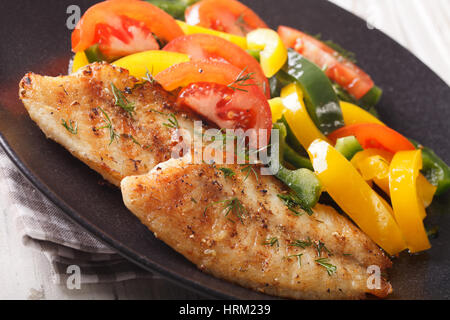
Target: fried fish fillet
{"x": 80, "y": 112}
{"x": 238, "y": 229}
{"x": 259, "y": 244}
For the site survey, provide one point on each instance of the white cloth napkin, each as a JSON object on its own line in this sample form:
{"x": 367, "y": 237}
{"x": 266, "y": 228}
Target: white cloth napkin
{"x": 44, "y": 227}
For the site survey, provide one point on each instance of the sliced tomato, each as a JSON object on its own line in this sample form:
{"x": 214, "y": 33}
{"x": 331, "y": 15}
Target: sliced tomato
{"x": 211, "y": 90}
{"x": 229, "y": 16}
{"x": 183, "y": 74}
{"x": 204, "y": 46}
{"x": 374, "y": 135}
{"x": 343, "y": 72}
{"x": 123, "y": 27}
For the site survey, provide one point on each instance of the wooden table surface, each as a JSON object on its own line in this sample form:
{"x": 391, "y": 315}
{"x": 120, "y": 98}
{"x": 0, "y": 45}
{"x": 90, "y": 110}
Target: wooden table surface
{"x": 421, "y": 26}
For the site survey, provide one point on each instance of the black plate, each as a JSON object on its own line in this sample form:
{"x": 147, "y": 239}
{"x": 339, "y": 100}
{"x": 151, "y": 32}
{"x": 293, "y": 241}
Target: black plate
{"x": 416, "y": 102}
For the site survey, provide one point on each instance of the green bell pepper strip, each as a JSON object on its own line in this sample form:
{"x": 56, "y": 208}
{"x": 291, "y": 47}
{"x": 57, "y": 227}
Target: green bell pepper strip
{"x": 348, "y": 147}
{"x": 175, "y": 8}
{"x": 320, "y": 99}
{"x": 296, "y": 160}
{"x": 93, "y": 54}
{"x": 367, "y": 102}
{"x": 371, "y": 98}
{"x": 434, "y": 169}
{"x": 291, "y": 139}
{"x": 303, "y": 182}
{"x": 255, "y": 54}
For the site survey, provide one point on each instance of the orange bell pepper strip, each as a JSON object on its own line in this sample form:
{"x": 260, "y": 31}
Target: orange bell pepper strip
{"x": 408, "y": 207}
{"x": 346, "y": 186}
{"x": 374, "y": 135}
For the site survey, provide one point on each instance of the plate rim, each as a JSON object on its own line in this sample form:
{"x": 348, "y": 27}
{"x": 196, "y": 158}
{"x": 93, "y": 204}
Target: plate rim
{"x": 130, "y": 255}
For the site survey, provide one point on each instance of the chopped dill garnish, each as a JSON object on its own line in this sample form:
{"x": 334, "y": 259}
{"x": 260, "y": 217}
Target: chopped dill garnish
{"x": 121, "y": 101}
{"x": 344, "y": 53}
{"x": 241, "y": 80}
{"x": 233, "y": 205}
{"x": 149, "y": 76}
{"x": 227, "y": 172}
{"x": 193, "y": 200}
{"x": 249, "y": 168}
{"x": 130, "y": 136}
{"x": 299, "y": 257}
{"x": 108, "y": 125}
{"x": 172, "y": 122}
{"x": 292, "y": 202}
{"x": 320, "y": 246}
{"x": 271, "y": 242}
{"x": 325, "y": 262}
{"x": 240, "y": 22}
{"x": 301, "y": 243}
{"x": 72, "y": 126}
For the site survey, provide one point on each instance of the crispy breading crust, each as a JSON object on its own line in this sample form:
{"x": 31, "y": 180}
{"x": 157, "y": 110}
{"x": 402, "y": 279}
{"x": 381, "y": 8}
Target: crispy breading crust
{"x": 143, "y": 140}
{"x": 181, "y": 204}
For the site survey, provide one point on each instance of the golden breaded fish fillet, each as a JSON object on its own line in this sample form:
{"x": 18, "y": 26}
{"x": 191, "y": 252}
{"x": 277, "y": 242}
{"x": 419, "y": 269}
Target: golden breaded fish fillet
{"x": 80, "y": 112}
{"x": 235, "y": 227}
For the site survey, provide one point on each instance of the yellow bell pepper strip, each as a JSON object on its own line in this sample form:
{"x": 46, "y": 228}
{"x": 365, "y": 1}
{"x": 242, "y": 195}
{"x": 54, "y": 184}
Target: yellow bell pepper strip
{"x": 277, "y": 108}
{"x": 408, "y": 208}
{"x": 153, "y": 61}
{"x": 354, "y": 114}
{"x": 79, "y": 60}
{"x": 273, "y": 53}
{"x": 297, "y": 116}
{"x": 376, "y": 168}
{"x": 349, "y": 190}
{"x": 373, "y": 164}
{"x": 188, "y": 29}
{"x": 426, "y": 190}
{"x": 290, "y": 154}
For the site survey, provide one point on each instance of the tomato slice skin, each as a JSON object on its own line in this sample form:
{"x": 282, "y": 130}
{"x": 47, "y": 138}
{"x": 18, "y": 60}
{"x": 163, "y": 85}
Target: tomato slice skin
{"x": 204, "y": 46}
{"x": 109, "y": 13}
{"x": 228, "y": 16}
{"x": 183, "y": 74}
{"x": 374, "y": 135}
{"x": 346, "y": 74}
{"x": 210, "y": 89}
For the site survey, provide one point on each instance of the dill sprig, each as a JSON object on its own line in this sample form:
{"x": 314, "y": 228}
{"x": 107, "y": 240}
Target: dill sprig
{"x": 325, "y": 262}
{"x": 227, "y": 172}
{"x": 121, "y": 100}
{"x": 241, "y": 24}
{"x": 149, "y": 76}
{"x": 130, "y": 136}
{"x": 241, "y": 81}
{"x": 299, "y": 257}
{"x": 320, "y": 246}
{"x": 301, "y": 243}
{"x": 108, "y": 125}
{"x": 293, "y": 203}
{"x": 172, "y": 122}
{"x": 249, "y": 168}
{"x": 71, "y": 126}
{"x": 233, "y": 206}
{"x": 344, "y": 53}
{"x": 271, "y": 242}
